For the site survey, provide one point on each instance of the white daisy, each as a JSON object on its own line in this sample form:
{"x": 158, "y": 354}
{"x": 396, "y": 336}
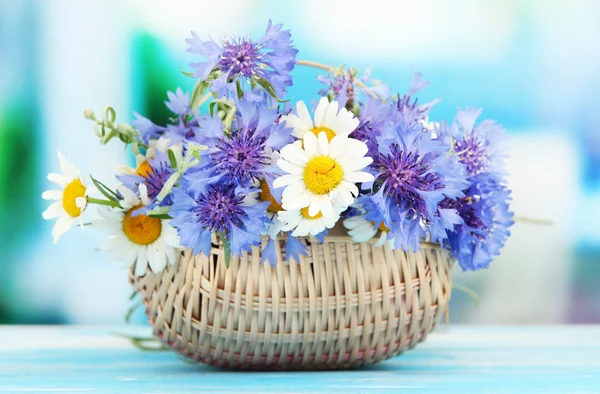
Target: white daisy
{"x": 322, "y": 174}
{"x": 328, "y": 120}
{"x": 140, "y": 240}
{"x": 304, "y": 224}
{"x": 362, "y": 230}
{"x": 142, "y": 166}
{"x": 71, "y": 201}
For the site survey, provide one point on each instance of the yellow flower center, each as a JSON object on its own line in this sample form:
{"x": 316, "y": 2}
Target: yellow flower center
{"x": 144, "y": 169}
{"x": 141, "y": 230}
{"x": 383, "y": 227}
{"x": 265, "y": 195}
{"x": 304, "y": 212}
{"x": 318, "y": 130}
{"x": 72, "y": 192}
{"x": 322, "y": 174}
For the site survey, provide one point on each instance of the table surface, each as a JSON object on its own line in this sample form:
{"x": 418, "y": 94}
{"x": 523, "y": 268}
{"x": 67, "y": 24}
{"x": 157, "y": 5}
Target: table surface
{"x": 465, "y": 359}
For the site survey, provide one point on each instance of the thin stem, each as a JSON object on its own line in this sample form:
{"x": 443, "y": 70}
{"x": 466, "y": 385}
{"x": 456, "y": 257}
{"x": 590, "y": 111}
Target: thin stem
{"x": 468, "y": 292}
{"x": 540, "y": 222}
{"x": 98, "y": 201}
{"x": 204, "y": 99}
{"x": 310, "y": 63}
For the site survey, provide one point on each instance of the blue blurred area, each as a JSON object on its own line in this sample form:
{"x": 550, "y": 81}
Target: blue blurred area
{"x": 532, "y": 65}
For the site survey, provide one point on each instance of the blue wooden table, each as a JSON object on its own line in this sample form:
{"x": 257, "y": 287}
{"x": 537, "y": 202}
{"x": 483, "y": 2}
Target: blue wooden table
{"x": 456, "y": 359}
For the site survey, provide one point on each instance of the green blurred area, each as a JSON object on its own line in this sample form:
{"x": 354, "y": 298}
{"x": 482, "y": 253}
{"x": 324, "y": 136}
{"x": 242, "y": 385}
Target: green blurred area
{"x": 154, "y": 73}
{"x": 20, "y": 204}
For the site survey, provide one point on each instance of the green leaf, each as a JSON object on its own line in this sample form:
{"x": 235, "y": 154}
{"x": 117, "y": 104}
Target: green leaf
{"x": 172, "y": 159}
{"x": 131, "y": 310}
{"x": 270, "y": 89}
{"x": 226, "y": 248}
{"x": 197, "y": 94}
{"x": 238, "y": 86}
{"x": 211, "y": 108}
{"x": 160, "y": 216}
{"x": 187, "y": 74}
{"x": 105, "y": 190}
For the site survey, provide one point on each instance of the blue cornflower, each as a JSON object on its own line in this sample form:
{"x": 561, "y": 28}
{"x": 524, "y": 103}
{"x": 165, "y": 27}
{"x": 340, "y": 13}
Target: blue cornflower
{"x": 185, "y": 126}
{"x": 154, "y": 174}
{"x": 413, "y": 174}
{"x": 294, "y": 248}
{"x": 148, "y": 130}
{"x": 270, "y": 59}
{"x": 374, "y": 113}
{"x": 479, "y": 147}
{"x": 486, "y": 221}
{"x": 219, "y": 209}
{"x": 246, "y": 156}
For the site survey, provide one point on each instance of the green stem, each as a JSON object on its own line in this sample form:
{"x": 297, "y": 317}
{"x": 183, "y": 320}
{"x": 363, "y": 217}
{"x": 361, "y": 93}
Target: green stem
{"x": 98, "y": 201}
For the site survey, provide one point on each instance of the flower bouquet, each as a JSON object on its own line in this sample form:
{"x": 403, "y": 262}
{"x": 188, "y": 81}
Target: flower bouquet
{"x": 268, "y": 235}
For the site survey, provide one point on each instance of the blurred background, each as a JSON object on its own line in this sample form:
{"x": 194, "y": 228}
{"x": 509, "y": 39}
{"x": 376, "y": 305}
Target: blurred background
{"x": 532, "y": 65}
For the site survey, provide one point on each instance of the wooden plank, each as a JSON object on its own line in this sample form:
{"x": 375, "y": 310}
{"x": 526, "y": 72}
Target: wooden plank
{"x": 549, "y": 359}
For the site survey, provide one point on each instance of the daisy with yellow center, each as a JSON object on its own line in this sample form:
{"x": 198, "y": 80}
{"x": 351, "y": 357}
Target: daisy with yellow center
{"x": 305, "y": 224}
{"x": 321, "y": 174}
{"x": 71, "y": 201}
{"x": 329, "y": 119}
{"x": 142, "y": 166}
{"x": 362, "y": 230}
{"x": 138, "y": 240}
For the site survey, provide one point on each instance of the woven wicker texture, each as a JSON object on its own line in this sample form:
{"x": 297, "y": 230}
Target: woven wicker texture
{"x": 346, "y": 304}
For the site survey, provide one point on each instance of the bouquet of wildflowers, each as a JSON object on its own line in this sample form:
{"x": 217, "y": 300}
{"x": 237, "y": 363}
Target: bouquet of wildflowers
{"x": 242, "y": 166}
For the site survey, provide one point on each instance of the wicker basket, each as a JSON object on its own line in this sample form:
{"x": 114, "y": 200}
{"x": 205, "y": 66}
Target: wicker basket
{"x": 346, "y": 304}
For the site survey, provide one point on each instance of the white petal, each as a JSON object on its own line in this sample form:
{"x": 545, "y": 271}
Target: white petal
{"x": 354, "y": 148}
{"x": 342, "y": 195}
{"x": 321, "y": 203}
{"x": 289, "y": 167}
{"x": 81, "y": 203}
{"x": 302, "y": 229}
{"x": 52, "y": 195}
{"x": 170, "y": 253}
{"x": 354, "y": 222}
{"x": 297, "y": 124}
{"x": 344, "y": 123}
{"x": 129, "y": 257}
{"x": 144, "y": 194}
{"x": 382, "y": 239}
{"x": 357, "y": 177}
{"x": 356, "y": 164}
{"x": 155, "y": 257}
{"x": 129, "y": 198}
{"x": 66, "y": 167}
{"x": 294, "y": 153}
{"x": 323, "y": 144}
{"x": 62, "y": 225}
{"x": 331, "y": 115}
{"x": 311, "y": 145}
{"x": 107, "y": 226}
{"x": 289, "y": 201}
{"x": 303, "y": 114}
{"x": 111, "y": 214}
{"x": 142, "y": 261}
{"x": 320, "y": 111}
{"x": 286, "y": 180}
{"x": 58, "y": 179}
{"x": 53, "y": 211}
{"x": 363, "y": 236}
